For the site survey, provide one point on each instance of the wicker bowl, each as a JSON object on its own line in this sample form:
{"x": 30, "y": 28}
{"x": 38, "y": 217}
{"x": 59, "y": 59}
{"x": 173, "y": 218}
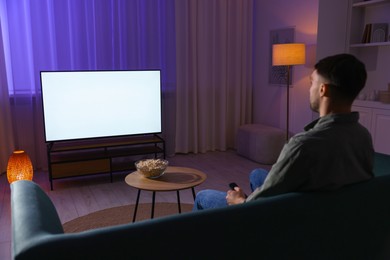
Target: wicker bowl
{"x": 151, "y": 168}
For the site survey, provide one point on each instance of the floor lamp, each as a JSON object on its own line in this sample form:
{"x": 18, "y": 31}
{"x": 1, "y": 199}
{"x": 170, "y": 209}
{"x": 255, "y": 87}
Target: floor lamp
{"x": 288, "y": 54}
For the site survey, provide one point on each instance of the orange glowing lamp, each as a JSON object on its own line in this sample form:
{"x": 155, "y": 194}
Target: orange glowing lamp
{"x": 19, "y": 167}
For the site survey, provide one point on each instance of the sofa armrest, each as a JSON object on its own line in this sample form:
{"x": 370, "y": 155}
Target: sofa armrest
{"x": 33, "y": 216}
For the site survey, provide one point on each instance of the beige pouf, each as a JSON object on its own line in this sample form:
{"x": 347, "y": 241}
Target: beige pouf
{"x": 260, "y": 143}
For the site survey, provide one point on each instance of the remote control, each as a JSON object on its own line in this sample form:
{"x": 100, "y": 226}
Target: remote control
{"x": 232, "y": 185}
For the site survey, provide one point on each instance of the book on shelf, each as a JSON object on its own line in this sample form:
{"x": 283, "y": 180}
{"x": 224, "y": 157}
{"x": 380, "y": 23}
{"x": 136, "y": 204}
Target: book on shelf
{"x": 375, "y": 32}
{"x": 367, "y": 33}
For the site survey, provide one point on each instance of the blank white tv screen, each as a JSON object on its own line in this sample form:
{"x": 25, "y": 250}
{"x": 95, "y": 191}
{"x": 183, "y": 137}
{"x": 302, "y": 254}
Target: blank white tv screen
{"x": 93, "y": 104}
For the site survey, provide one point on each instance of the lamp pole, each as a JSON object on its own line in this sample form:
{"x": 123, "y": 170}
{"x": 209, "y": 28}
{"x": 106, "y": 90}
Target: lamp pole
{"x": 288, "y": 103}
{"x": 288, "y": 54}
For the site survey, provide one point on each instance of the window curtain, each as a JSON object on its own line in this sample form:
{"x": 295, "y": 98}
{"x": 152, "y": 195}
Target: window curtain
{"x": 214, "y": 79}
{"x": 203, "y": 47}
{"x": 6, "y": 133}
{"x": 79, "y": 35}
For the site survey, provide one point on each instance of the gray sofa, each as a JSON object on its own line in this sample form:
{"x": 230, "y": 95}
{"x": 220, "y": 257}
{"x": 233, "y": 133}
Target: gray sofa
{"x": 351, "y": 223}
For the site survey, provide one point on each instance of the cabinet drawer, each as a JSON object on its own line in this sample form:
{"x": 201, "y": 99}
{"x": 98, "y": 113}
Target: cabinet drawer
{"x": 60, "y": 170}
{"x": 381, "y": 130}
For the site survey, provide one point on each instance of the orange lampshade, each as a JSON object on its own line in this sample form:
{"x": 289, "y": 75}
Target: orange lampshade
{"x": 288, "y": 54}
{"x": 19, "y": 167}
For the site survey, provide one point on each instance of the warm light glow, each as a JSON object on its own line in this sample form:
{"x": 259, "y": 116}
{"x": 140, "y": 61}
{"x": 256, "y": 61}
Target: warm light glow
{"x": 19, "y": 167}
{"x": 288, "y": 54}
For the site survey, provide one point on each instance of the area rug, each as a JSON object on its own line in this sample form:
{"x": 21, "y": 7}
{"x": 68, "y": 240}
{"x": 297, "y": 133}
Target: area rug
{"x": 122, "y": 215}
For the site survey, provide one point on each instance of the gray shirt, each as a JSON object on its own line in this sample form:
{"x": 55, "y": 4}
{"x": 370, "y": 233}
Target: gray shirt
{"x": 335, "y": 150}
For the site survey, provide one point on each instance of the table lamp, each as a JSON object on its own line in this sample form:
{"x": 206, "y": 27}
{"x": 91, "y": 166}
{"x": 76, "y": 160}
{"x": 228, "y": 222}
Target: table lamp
{"x": 288, "y": 54}
{"x": 19, "y": 167}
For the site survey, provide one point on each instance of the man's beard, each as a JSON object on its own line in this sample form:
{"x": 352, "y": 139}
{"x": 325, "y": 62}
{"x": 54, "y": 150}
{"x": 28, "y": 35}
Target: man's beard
{"x": 314, "y": 106}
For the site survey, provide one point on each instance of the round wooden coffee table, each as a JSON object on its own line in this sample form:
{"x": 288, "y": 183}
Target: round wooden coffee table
{"x": 174, "y": 179}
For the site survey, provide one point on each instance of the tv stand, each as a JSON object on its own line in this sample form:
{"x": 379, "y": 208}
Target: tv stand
{"x": 68, "y": 159}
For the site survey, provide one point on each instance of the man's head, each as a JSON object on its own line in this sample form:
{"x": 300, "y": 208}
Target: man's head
{"x": 342, "y": 76}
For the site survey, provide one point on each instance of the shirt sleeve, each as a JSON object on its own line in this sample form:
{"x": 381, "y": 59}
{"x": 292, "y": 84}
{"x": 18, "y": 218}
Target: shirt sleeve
{"x": 287, "y": 174}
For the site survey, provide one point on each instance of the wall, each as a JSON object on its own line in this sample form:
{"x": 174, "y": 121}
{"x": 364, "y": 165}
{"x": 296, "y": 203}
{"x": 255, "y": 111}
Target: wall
{"x": 269, "y": 101}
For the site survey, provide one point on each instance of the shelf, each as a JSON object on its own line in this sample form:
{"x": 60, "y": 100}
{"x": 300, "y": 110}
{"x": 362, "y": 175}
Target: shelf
{"x": 76, "y": 156}
{"x": 110, "y": 142}
{"x": 129, "y": 151}
{"x": 372, "y": 44}
{"x": 370, "y": 3}
{"x": 364, "y": 13}
{"x": 371, "y": 104}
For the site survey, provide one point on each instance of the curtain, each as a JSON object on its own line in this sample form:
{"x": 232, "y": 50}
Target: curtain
{"x": 81, "y": 35}
{"x": 203, "y": 47}
{"x": 214, "y": 79}
{"x": 6, "y": 133}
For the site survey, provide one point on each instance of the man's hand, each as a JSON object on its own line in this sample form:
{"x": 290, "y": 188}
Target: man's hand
{"x": 236, "y": 196}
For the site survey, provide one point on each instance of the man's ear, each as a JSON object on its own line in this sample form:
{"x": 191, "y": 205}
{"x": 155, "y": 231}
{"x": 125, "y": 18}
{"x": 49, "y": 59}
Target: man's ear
{"x": 325, "y": 90}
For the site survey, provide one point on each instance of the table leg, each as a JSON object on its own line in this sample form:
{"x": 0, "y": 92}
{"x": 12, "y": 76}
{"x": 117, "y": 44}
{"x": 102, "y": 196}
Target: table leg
{"x": 136, "y": 205}
{"x": 178, "y": 201}
{"x": 153, "y": 200}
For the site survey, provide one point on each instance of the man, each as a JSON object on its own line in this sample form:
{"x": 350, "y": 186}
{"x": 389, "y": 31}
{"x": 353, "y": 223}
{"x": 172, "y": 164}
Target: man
{"x": 333, "y": 151}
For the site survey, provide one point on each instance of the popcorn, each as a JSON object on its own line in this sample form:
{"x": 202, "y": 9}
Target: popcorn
{"x": 151, "y": 168}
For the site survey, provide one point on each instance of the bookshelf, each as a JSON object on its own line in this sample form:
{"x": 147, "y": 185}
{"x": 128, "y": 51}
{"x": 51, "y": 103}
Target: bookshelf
{"x": 369, "y": 23}
{"x": 367, "y": 20}
{"x": 373, "y": 51}
{"x": 344, "y": 33}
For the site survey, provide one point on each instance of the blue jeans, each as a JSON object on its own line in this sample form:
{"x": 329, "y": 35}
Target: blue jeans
{"x": 207, "y": 199}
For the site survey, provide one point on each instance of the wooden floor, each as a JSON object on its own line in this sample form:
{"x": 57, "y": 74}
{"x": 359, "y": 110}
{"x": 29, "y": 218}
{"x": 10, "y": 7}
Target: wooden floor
{"x": 76, "y": 197}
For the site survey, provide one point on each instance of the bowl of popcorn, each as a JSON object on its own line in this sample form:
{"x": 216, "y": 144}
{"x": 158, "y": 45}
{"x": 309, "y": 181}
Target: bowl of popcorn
{"x": 151, "y": 168}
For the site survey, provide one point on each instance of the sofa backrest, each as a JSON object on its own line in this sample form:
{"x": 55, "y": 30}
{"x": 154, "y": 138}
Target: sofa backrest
{"x": 350, "y": 223}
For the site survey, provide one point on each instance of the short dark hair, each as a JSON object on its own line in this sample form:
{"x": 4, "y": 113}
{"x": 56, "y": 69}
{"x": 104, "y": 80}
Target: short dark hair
{"x": 346, "y": 75}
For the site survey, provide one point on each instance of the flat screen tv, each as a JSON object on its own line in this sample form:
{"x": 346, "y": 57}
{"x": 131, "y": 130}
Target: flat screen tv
{"x": 98, "y": 104}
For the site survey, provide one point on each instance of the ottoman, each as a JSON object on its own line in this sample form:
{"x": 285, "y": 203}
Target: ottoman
{"x": 260, "y": 143}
